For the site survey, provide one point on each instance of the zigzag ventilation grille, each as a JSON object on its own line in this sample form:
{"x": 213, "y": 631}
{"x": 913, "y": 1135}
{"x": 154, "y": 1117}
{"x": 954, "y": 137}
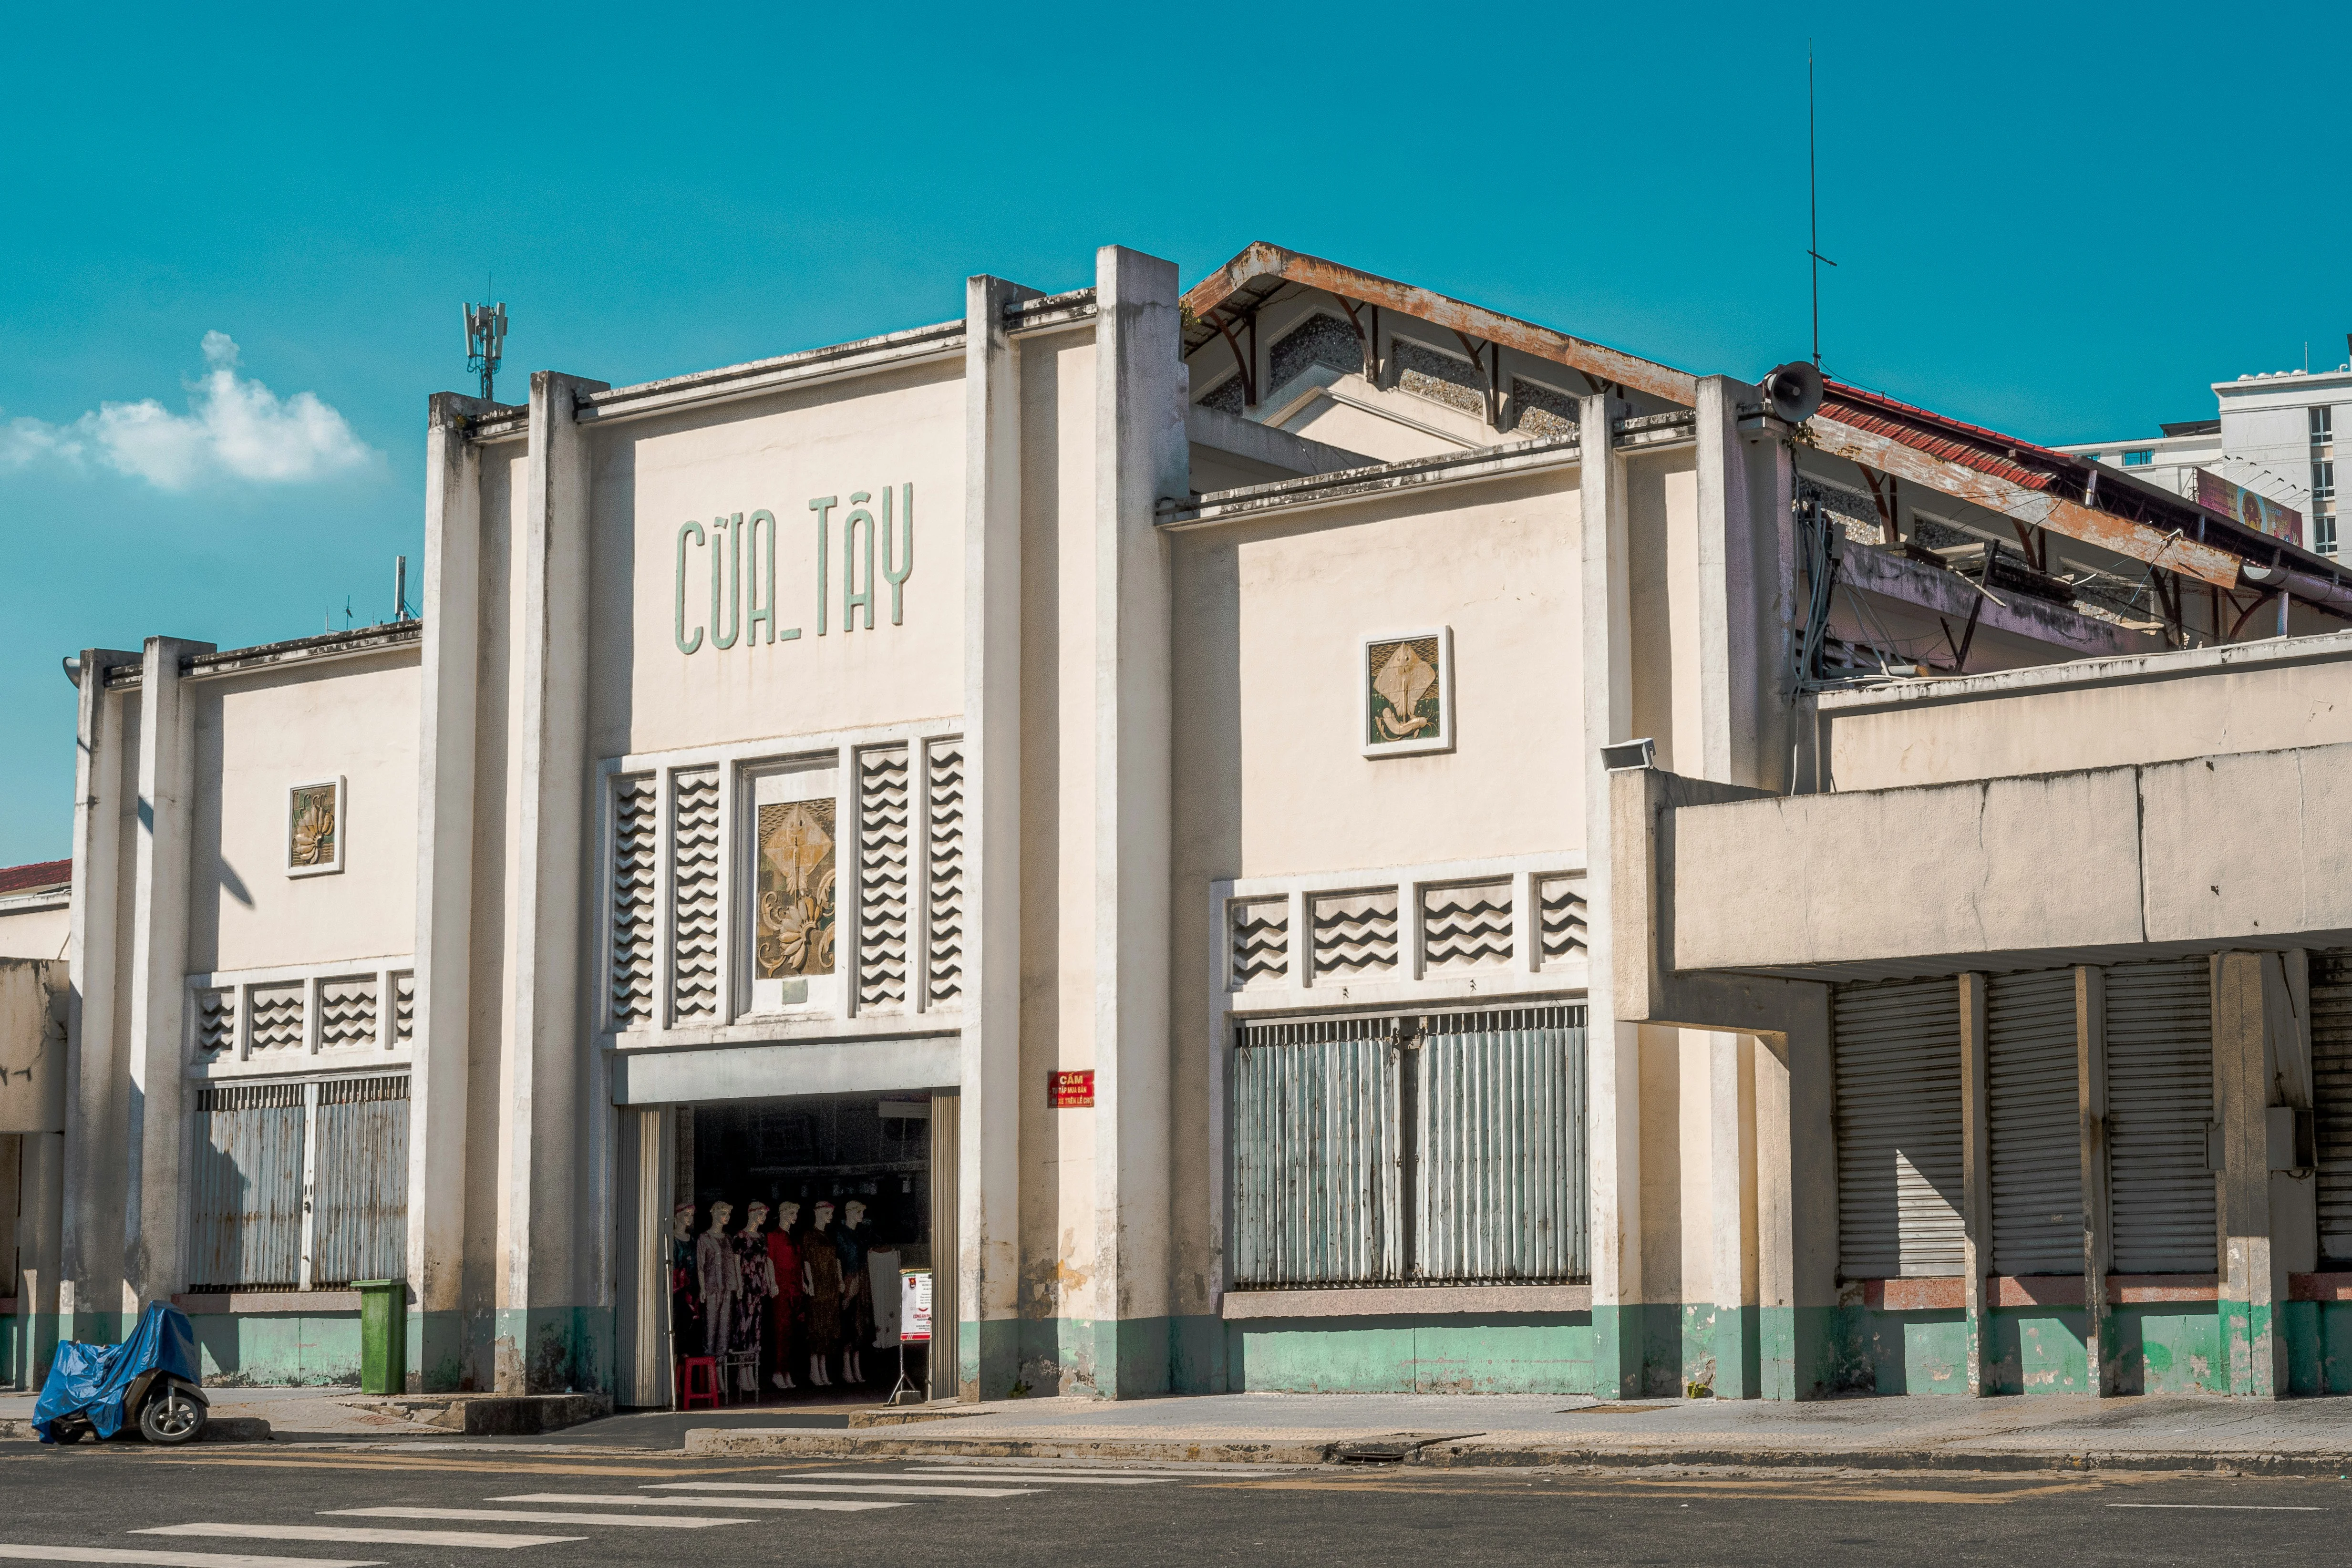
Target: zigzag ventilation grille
{"x": 882, "y": 866}
{"x": 347, "y": 1014}
{"x": 1559, "y": 904}
{"x": 1466, "y": 927}
{"x": 277, "y": 1018}
{"x": 635, "y": 878}
{"x": 403, "y": 1008}
{"x": 1261, "y": 942}
{"x": 944, "y": 887}
{"x": 1355, "y": 933}
{"x": 216, "y": 1021}
{"x": 694, "y": 898}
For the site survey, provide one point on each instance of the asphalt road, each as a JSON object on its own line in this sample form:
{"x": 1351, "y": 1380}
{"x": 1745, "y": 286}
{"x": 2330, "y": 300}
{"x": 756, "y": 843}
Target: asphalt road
{"x": 267, "y": 1508}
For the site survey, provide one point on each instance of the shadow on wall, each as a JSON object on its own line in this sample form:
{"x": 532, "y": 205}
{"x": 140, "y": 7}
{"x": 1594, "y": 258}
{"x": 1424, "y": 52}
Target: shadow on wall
{"x": 278, "y": 1350}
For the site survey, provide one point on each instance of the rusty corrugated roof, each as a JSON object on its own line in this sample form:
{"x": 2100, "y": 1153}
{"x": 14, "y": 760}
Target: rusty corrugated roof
{"x": 1955, "y": 441}
{"x": 39, "y": 874}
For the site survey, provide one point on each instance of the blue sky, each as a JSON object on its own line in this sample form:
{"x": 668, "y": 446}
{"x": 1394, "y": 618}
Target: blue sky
{"x": 2061, "y": 221}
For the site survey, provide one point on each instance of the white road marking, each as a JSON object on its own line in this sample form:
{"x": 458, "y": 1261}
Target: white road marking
{"x": 1062, "y": 1478}
{"x": 174, "y": 1558}
{"x": 348, "y": 1532}
{"x": 839, "y": 1505}
{"x": 2229, "y": 1507}
{"x": 838, "y": 1486}
{"x": 1020, "y": 1468}
{"x": 520, "y": 1516}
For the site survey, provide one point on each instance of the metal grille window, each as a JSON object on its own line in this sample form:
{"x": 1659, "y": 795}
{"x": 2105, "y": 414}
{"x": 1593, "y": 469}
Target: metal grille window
{"x": 1448, "y": 1148}
{"x": 299, "y": 1185}
{"x": 2036, "y": 1118}
{"x": 2331, "y": 1097}
{"x": 1897, "y": 1073}
{"x": 2159, "y": 1098}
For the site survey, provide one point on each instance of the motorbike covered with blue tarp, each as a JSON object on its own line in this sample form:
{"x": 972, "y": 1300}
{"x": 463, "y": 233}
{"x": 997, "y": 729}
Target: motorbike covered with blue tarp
{"x": 152, "y": 1379}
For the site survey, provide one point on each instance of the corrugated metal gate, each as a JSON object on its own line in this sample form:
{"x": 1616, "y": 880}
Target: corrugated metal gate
{"x": 1500, "y": 1166}
{"x": 2035, "y": 1119}
{"x": 2159, "y": 1098}
{"x": 1897, "y": 1074}
{"x": 1449, "y": 1147}
{"x": 2331, "y": 1097}
{"x": 246, "y": 1224}
{"x": 359, "y": 1220}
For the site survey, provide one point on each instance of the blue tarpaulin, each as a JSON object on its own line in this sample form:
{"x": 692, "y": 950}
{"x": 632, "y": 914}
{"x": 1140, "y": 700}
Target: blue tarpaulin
{"x": 94, "y": 1379}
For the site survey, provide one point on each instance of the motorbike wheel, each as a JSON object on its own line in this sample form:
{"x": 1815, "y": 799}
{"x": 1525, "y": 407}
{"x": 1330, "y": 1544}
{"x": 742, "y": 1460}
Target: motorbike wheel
{"x": 171, "y": 1417}
{"x": 67, "y": 1432}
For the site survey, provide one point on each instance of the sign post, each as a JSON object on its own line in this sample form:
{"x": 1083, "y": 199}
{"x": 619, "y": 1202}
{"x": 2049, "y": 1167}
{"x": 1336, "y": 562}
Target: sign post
{"x": 914, "y": 1327}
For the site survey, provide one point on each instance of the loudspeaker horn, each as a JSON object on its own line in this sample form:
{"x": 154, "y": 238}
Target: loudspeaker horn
{"x": 1792, "y": 391}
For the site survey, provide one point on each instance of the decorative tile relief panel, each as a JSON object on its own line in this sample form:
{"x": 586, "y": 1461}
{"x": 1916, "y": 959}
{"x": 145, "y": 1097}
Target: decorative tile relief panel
{"x": 694, "y": 897}
{"x": 277, "y": 1017}
{"x": 1261, "y": 942}
{"x": 216, "y": 1022}
{"x": 347, "y": 1013}
{"x": 1543, "y": 413}
{"x": 883, "y": 842}
{"x": 944, "y": 913}
{"x": 636, "y": 849}
{"x": 1466, "y": 927}
{"x": 1318, "y": 340}
{"x": 403, "y": 1010}
{"x": 1440, "y": 377}
{"x": 1355, "y": 933}
{"x": 1561, "y": 903}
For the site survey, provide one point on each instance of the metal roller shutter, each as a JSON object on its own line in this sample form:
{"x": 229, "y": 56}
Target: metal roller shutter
{"x": 2035, "y": 1119}
{"x": 1317, "y": 1141}
{"x": 246, "y": 1229}
{"x": 2331, "y": 1094}
{"x": 359, "y": 1214}
{"x": 2159, "y": 1098}
{"x": 1500, "y": 1187}
{"x": 1898, "y": 1072}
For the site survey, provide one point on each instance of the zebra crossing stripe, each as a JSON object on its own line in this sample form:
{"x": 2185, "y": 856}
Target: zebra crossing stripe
{"x": 837, "y": 1505}
{"x": 141, "y": 1559}
{"x": 351, "y": 1533}
{"x": 1059, "y": 1478}
{"x": 520, "y": 1516}
{"x": 859, "y": 1487}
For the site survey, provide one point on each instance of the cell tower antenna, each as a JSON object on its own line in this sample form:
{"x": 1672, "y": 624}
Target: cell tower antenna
{"x": 1813, "y": 201}
{"x": 485, "y": 341}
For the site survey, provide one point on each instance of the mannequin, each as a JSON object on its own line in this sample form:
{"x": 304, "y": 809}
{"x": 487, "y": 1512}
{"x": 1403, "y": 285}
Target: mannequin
{"x": 684, "y": 1299}
{"x": 715, "y": 1271}
{"x": 856, "y": 1291}
{"x": 821, "y": 1277}
{"x": 783, "y": 1311}
{"x": 758, "y": 1281}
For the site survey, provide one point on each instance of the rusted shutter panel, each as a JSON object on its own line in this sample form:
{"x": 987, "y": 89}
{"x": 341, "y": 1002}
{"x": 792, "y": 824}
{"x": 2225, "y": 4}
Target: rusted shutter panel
{"x": 2159, "y": 1098}
{"x": 359, "y": 1218}
{"x": 246, "y": 1229}
{"x": 2331, "y": 1093}
{"x": 1316, "y": 1133}
{"x": 1897, "y": 1073}
{"x": 2035, "y": 1119}
{"x": 1499, "y": 1163}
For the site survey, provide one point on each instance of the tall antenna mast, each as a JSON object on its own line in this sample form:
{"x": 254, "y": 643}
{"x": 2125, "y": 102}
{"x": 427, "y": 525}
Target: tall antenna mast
{"x": 1813, "y": 199}
{"x": 486, "y": 342}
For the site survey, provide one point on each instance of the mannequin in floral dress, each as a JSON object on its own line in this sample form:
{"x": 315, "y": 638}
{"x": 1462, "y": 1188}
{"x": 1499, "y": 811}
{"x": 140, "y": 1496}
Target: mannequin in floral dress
{"x": 684, "y": 1299}
{"x": 721, "y": 1280}
{"x": 784, "y": 1310}
{"x": 821, "y": 1277}
{"x": 849, "y": 1244}
{"x": 758, "y": 1287}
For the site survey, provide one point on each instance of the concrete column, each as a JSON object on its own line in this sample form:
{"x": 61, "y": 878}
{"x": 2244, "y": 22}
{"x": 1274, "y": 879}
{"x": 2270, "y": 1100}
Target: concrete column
{"x": 154, "y": 1217}
{"x": 553, "y": 1315}
{"x": 1141, "y": 457}
{"x": 445, "y": 889}
{"x": 1613, "y": 1116}
{"x": 988, "y": 1261}
{"x": 33, "y": 994}
{"x": 1733, "y": 597}
{"x": 2099, "y": 1219}
{"x": 1796, "y": 1200}
{"x": 2251, "y": 1286}
{"x": 1732, "y": 1211}
{"x": 1976, "y": 1178}
{"x": 40, "y": 1233}
{"x": 89, "y": 1264}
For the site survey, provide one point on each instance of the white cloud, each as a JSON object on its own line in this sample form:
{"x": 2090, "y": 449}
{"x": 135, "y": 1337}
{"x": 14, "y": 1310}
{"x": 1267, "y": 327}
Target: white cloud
{"x": 235, "y": 427}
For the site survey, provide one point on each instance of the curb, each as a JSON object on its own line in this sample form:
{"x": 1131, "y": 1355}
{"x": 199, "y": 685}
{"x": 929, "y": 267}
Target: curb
{"x": 1445, "y": 1453}
{"x": 487, "y": 1414}
{"x": 219, "y": 1429}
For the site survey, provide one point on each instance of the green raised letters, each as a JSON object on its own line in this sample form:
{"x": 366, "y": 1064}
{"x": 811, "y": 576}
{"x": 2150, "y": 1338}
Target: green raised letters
{"x": 822, "y": 506}
{"x": 852, "y": 598}
{"x": 763, "y": 610}
{"x": 896, "y": 572}
{"x": 683, "y": 646}
{"x": 730, "y": 568}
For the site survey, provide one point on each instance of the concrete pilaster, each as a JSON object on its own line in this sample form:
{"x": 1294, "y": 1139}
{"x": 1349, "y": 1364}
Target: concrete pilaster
{"x": 1613, "y": 1114}
{"x": 1141, "y": 457}
{"x": 2251, "y": 1286}
{"x": 1732, "y": 1213}
{"x": 553, "y": 1300}
{"x": 988, "y": 1261}
{"x": 154, "y": 1217}
{"x": 89, "y": 1266}
{"x": 445, "y": 894}
{"x": 1796, "y": 1212}
{"x": 2098, "y": 1214}
{"x": 1976, "y": 1178}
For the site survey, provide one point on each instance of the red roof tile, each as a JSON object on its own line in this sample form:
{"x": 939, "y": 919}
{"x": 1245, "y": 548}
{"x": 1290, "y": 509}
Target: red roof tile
{"x": 40, "y": 874}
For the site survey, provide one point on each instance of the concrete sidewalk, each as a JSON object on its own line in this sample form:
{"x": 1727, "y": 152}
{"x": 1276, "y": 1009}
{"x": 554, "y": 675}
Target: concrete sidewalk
{"x": 2305, "y": 1436}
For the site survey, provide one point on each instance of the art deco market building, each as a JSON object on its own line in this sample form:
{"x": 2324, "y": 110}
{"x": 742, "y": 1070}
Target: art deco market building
{"x": 1135, "y": 787}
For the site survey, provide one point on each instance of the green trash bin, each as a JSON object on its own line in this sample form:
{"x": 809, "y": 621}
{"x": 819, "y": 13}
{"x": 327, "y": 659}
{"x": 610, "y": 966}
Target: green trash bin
{"x": 383, "y": 1335}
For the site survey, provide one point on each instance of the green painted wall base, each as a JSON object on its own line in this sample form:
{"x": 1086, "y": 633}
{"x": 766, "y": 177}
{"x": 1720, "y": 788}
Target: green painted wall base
{"x": 278, "y": 1350}
{"x": 2174, "y": 1348}
{"x": 553, "y": 1349}
{"x": 1504, "y": 1353}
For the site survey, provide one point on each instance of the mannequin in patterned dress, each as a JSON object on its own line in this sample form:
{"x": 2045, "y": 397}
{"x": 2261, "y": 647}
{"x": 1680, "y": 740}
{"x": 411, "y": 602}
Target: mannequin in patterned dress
{"x": 684, "y": 1300}
{"x": 849, "y": 1244}
{"x": 757, "y": 1278}
{"x": 784, "y": 1310}
{"x": 721, "y": 1280}
{"x": 821, "y": 1277}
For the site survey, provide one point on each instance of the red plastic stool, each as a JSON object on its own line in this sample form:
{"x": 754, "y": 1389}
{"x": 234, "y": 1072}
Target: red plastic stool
{"x": 697, "y": 1378}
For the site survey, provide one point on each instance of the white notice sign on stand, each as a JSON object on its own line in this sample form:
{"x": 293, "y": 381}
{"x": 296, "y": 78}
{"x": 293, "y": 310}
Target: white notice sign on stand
{"x": 914, "y": 1305}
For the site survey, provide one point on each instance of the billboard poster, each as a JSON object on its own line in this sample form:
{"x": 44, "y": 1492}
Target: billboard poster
{"x": 2256, "y": 512}
{"x": 914, "y": 1305}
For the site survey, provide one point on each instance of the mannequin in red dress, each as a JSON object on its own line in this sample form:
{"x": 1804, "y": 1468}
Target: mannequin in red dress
{"x": 783, "y": 1252}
